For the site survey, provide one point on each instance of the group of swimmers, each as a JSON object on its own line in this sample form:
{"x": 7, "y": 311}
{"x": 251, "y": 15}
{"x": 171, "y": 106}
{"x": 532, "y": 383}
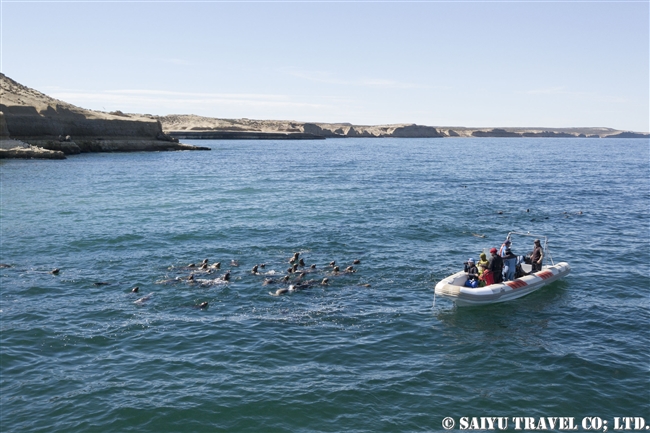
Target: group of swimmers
{"x": 502, "y": 265}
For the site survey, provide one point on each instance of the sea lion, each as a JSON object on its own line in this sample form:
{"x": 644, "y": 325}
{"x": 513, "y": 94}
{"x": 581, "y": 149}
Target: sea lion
{"x": 135, "y": 289}
{"x": 279, "y": 292}
{"x": 101, "y": 283}
{"x": 191, "y": 265}
{"x": 201, "y": 306}
{"x": 216, "y": 265}
{"x": 143, "y": 299}
{"x": 349, "y": 269}
{"x": 268, "y": 281}
{"x": 294, "y": 258}
{"x": 226, "y": 276}
{"x": 190, "y": 278}
{"x": 336, "y": 269}
{"x": 4, "y": 265}
{"x": 325, "y": 282}
{"x": 356, "y": 262}
{"x": 204, "y": 266}
{"x": 254, "y": 270}
{"x": 289, "y": 270}
{"x": 301, "y": 262}
{"x": 332, "y": 263}
{"x": 365, "y": 285}
{"x": 285, "y": 279}
{"x": 205, "y": 261}
{"x": 262, "y": 265}
{"x": 312, "y": 266}
{"x": 54, "y": 271}
{"x": 234, "y": 263}
{"x": 294, "y": 267}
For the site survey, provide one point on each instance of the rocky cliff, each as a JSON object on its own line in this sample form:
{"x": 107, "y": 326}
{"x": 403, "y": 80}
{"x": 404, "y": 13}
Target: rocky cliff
{"x": 37, "y": 119}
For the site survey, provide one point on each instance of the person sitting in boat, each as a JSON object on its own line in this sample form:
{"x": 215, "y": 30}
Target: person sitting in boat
{"x": 494, "y": 272}
{"x": 537, "y": 257}
{"x": 472, "y": 274}
{"x": 509, "y": 265}
{"x": 482, "y": 266}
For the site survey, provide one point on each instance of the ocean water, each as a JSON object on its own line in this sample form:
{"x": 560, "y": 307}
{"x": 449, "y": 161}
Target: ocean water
{"x": 370, "y": 352}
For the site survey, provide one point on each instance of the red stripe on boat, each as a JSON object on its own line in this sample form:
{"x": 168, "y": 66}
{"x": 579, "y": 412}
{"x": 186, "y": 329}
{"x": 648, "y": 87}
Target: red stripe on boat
{"x": 516, "y": 284}
{"x": 544, "y": 275}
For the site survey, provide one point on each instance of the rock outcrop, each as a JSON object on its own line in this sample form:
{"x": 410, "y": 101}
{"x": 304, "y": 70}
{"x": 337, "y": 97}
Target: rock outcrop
{"x": 37, "y": 119}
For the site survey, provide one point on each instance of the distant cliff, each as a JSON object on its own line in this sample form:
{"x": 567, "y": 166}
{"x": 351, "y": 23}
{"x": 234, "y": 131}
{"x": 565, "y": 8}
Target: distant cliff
{"x": 209, "y": 127}
{"x": 35, "y": 118}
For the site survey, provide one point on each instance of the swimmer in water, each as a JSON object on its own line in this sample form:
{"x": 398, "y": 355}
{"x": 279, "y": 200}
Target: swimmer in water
{"x": 279, "y": 292}
{"x": 143, "y": 299}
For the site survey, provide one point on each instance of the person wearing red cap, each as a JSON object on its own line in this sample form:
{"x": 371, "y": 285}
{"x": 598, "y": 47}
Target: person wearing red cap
{"x": 495, "y": 268}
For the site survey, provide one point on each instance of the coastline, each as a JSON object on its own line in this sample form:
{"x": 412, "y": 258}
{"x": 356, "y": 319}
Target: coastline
{"x": 34, "y": 125}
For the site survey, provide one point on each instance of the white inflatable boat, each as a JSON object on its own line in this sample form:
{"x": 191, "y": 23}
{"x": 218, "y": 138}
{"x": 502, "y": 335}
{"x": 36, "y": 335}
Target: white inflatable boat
{"x": 453, "y": 287}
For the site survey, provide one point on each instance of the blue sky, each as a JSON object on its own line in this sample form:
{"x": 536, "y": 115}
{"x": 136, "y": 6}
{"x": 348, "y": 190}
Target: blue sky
{"x": 553, "y": 64}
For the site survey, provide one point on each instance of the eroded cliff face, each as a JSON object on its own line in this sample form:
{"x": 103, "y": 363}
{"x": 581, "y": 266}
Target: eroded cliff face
{"x": 35, "y": 118}
{"x": 4, "y": 132}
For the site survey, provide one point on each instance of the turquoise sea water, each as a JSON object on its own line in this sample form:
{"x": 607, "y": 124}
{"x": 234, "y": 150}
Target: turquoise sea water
{"x": 82, "y": 357}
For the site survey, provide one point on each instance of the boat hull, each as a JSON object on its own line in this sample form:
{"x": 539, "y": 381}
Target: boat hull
{"x": 453, "y": 287}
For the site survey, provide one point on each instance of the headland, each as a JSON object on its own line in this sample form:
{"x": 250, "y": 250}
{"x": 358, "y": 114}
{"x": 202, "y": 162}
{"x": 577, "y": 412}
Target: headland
{"x": 34, "y": 125}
